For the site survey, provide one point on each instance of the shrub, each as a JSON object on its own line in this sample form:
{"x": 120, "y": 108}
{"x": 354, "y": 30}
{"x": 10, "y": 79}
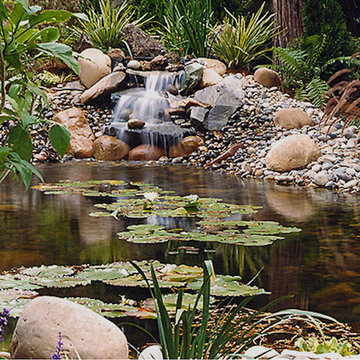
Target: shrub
{"x": 241, "y": 42}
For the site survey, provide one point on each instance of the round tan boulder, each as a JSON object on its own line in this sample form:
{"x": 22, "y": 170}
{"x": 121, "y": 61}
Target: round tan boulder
{"x": 292, "y": 152}
{"x": 85, "y": 334}
{"x": 267, "y": 77}
{"x": 292, "y": 118}
{"x": 186, "y": 146}
{"x": 210, "y": 77}
{"x": 94, "y": 65}
{"x": 108, "y": 148}
{"x": 146, "y": 152}
{"x": 135, "y": 123}
{"x": 216, "y": 65}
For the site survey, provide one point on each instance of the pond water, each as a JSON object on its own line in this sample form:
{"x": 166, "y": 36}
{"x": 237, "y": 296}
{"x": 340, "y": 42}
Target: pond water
{"x": 320, "y": 266}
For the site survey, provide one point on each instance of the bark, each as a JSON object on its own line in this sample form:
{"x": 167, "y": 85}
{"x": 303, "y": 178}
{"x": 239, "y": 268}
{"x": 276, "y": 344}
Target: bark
{"x": 288, "y": 19}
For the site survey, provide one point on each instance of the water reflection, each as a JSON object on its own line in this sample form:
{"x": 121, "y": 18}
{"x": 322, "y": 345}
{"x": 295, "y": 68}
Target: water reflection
{"x": 320, "y": 265}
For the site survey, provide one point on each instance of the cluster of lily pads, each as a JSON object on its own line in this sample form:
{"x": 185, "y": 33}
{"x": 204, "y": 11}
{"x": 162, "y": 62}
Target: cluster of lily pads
{"x": 140, "y": 200}
{"x": 20, "y": 286}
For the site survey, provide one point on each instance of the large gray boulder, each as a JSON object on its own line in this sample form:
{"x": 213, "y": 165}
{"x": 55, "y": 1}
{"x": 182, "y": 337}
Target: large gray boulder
{"x": 85, "y": 334}
{"x": 94, "y": 65}
{"x": 103, "y": 88}
{"x": 292, "y": 118}
{"x": 292, "y": 152}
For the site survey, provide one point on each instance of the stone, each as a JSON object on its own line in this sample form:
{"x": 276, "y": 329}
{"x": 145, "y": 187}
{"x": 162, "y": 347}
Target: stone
{"x": 159, "y": 62}
{"x": 119, "y": 67}
{"x": 135, "y": 123}
{"x": 292, "y": 118}
{"x": 216, "y": 65}
{"x": 267, "y": 77}
{"x": 84, "y": 42}
{"x": 145, "y": 66}
{"x": 292, "y": 152}
{"x": 140, "y": 44}
{"x": 172, "y": 89}
{"x": 134, "y": 65}
{"x": 197, "y": 117}
{"x": 82, "y": 137}
{"x": 146, "y": 152}
{"x": 85, "y": 334}
{"x": 186, "y": 146}
{"x": 210, "y": 77}
{"x": 151, "y": 352}
{"x": 103, "y": 88}
{"x": 193, "y": 75}
{"x": 94, "y": 65}
{"x": 321, "y": 178}
{"x": 117, "y": 55}
{"x": 260, "y": 352}
{"x": 108, "y": 148}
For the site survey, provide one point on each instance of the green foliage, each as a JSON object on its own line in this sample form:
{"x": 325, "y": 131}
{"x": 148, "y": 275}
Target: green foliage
{"x": 326, "y": 18}
{"x": 343, "y": 348}
{"x": 105, "y": 25}
{"x": 26, "y": 36}
{"x": 187, "y": 27}
{"x": 241, "y": 42}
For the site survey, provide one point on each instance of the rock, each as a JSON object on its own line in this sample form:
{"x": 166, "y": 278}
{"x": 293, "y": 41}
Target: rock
{"x": 117, "y": 55}
{"x": 159, "y": 62}
{"x": 135, "y": 124}
{"x": 119, "y": 67}
{"x": 151, "y": 352}
{"x": 321, "y": 178}
{"x": 85, "y": 334}
{"x": 134, "y": 65}
{"x": 216, "y": 65}
{"x": 108, "y": 148}
{"x": 267, "y": 77}
{"x": 94, "y": 65}
{"x": 193, "y": 76}
{"x": 82, "y": 138}
{"x": 142, "y": 45}
{"x": 146, "y": 152}
{"x": 292, "y": 152}
{"x": 103, "y": 88}
{"x": 145, "y": 66}
{"x": 186, "y": 146}
{"x": 261, "y": 352}
{"x": 197, "y": 117}
{"x": 292, "y": 118}
{"x": 210, "y": 77}
{"x": 83, "y": 43}
{"x": 172, "y": 89}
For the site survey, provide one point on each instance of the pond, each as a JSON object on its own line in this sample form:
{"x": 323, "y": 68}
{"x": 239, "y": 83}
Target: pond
{"x": 320, "y": 265}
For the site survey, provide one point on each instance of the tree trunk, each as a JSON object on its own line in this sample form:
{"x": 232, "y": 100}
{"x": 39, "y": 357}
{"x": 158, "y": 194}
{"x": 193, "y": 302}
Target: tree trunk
{"x": 288, "y": 19}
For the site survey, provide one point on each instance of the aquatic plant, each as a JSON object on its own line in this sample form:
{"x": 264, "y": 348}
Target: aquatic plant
{"x": 323, "y": 346}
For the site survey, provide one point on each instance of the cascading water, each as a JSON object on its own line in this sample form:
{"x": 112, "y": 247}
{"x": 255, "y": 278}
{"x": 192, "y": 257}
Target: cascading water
{"x": 149, "y": 104}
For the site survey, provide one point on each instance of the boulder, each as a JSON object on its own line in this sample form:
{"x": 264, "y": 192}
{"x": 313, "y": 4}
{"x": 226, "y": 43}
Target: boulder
{"x": 292, "y": 152}
{"x": 82, "y": 137}
{"x": 134, "y": 65}
{"x": 94, "y": 65}
{"x": 216, "y": 65}
{"x": 117, "y": 55}
{"x": 151, "y": 352}
{"x": 135, "y": 123}
{"x": 142, "y": 45}
{"x": 146, "y": 152}
{"x": 198, "y": 116}
{"x": 85, "y": 334}
{"x": 292, "y": 118}
{"x": 103, "y": 88}
{"x": 267, "y": 77}
{"x": 210, "y": 77}
{"x": 159, "y": 62}
{"x": 108, "y": 148}
{"x": 186, "y": 146}
{"x": 193, "y": 76}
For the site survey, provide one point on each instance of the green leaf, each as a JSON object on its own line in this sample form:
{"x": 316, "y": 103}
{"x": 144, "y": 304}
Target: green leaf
{"x": 3, "y": 11}
{"x": 37, "y": 91}
{"x": 47, "y": 35}
{"x": 4, "y": 153}
{"x": 60, "y": 138}
{"x": 17, "y": 14}
{"x": 62, "y": 52}
{"x": 50, "y": 16}
{"x": 20, "y": 142}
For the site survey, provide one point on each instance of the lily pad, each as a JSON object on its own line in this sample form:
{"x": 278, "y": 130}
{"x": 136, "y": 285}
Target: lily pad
{"x": 16, "y": 300}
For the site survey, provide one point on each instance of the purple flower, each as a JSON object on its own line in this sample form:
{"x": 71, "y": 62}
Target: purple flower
{"x": 3, "y": 321}
{"x": 56, "y": 355}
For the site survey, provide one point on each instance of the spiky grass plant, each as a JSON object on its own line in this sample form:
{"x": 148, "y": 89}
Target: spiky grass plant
{"x": 239, "y": 43}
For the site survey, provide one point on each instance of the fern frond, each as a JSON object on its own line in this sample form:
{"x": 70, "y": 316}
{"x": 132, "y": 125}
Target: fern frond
{"x": 316, "y": 90}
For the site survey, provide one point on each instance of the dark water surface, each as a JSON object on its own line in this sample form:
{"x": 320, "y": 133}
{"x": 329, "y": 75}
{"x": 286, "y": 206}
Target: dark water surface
{"x": 320, "y": 266}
